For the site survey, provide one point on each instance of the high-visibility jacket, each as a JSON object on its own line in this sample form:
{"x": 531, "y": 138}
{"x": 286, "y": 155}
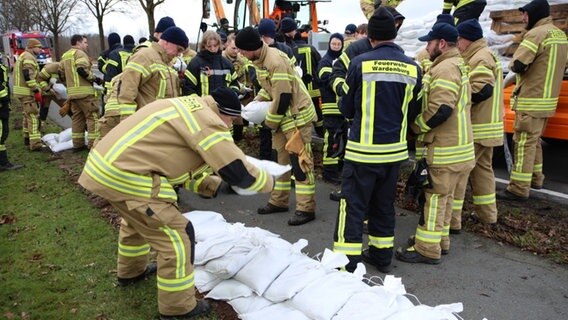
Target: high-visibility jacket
{"x": 188, "y": 54}
{"x": 78, "y": 87}
{"x": 383, "y": 85}
{"x": 286, "y": 49}
{"x": 48, "y": 72}
{"x": 544, "y": 50}
{"x": 329, "y": 98}
{"x": 4, "y": 83}
{"x": 116, "y": 62}
{"x": 102, "y": 60}
{"x": 308, "y": 58}
{"x": 146, "y": 78}
{"x": 444, "y": 124}
{"x": 340, "y": 66}
{"x": 449, "y": 4}
{"x": 278, "y": 78}
{"x": 244, "y": 69}
{"x": 134, "y": 161}
{"x": 208, "y": 71}
{"x": 26, "y": 63}
{"x": 487, "y": 115}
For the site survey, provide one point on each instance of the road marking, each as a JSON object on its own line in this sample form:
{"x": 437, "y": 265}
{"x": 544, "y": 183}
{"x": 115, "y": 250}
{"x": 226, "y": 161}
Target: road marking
{"x": 543, "y": 191}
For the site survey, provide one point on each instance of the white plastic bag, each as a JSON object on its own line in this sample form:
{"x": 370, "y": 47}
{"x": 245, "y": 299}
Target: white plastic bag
{"x": 255, "y": 111}
{"x": 60, "y": 91}
{"x": 228, "y": 290}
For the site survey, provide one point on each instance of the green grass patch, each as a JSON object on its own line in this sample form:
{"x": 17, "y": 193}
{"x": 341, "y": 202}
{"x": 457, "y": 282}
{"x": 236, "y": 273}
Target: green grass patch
{"x": 57, "y": 255}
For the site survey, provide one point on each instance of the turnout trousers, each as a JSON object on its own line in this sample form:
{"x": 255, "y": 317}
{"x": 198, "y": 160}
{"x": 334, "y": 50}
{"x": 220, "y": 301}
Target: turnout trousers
{"x": 367, "y": 190}
{"x": 306, "y": 189}
{"x": 31, "y": 123}
{"x": 331, "y": 125}
{"x": 527, "y": 166}
{"x": 161, "y": 226}
{"x": 432, "y": 233}
{"x": 85, "y": 117}
{"x": 482, "y": 179}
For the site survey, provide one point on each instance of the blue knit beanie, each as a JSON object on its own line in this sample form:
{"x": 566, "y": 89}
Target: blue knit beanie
{"x": 175, "y": 35}
{"x": 288, "y": 25}
{"x": 470, "y": 30}
{"x": 446, "y": 18}
{"x": 113, "y": 38}
{"x": 267, "y": 28}
{"x": 164, "y": 23}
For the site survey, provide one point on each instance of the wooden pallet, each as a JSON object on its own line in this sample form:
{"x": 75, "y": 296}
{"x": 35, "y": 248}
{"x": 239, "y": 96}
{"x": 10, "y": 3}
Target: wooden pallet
{"x": 511, "y": 22}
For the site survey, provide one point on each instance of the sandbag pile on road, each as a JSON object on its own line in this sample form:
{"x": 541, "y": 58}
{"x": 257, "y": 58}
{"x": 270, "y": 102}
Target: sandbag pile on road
{"x": 263, "y": 276}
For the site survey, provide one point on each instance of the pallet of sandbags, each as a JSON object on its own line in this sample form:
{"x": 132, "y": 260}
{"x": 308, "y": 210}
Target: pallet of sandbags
{"x": 511, "y": 22}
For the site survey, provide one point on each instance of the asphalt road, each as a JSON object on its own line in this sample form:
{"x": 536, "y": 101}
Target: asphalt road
{"x": 493, "y": 280}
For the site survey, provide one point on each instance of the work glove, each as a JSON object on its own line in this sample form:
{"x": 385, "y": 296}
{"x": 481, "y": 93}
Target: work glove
{"x": 98, "y": 81}
{"x": 307, "y": 78}
{"x": 38, "y": 97}
{"x": 224, "y": 188}
{"x": 64, "y": 110}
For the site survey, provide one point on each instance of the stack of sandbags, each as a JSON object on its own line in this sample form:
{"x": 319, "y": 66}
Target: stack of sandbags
{"x": 58, "y": 142}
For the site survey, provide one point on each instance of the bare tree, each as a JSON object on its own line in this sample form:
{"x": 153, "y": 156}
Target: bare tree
{"x": 17, "y": 15}
{"x": 149, "y": 6}
{"x": 56, "y": 15}
{"x": 100, "y": 8}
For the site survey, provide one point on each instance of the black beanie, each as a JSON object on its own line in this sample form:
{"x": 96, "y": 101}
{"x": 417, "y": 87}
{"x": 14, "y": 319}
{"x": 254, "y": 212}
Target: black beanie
{"x": 228, "y": 101}
{"x": 175, "y": 35}
{"x": 446, "y": 18}
{"x": 381, "y": 25}
{"x": 113, "y": 38}
{"x": 164, "y": 23}
{"x": 287, "y": 25}
{"x": 267, "y": 28}
{"x": 536, "y": 9}
{"x": 248, "y": 39}
{"x": 128, "y": 39}
{"x": 470, "y": 30}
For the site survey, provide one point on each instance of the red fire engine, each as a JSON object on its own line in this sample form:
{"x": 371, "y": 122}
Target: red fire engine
{"x": 15, "y": 42}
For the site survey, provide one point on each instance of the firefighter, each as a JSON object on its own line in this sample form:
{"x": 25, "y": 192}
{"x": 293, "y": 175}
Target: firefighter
{"x": 485, "y": 76}
{"x": 384, "y": 87}
{"x": 28, "y": 91}
{"x": 539, "y": 63}
{"x": 75, "y": 67}
{"x": 117, "y": 60}
{"x": 209, "y": 70}
{"x": 361, "y": 31}
{"x": 291, "y": 110}
{"x": 349, "y": 35}
{"x": 5, "y": 164}
{"x": 422, "y": 56}
{"x": 307, "y": 58}
{"x": 163, "y": 24}
{"x": 465, "y": 9}
{"x": 47, "y": 77}
{"x": 369, "y": 6}
{"x": 445, "y": 136}
{"x": 333, "y": 121}
{"x": 146, "y": 77}
{"x": 113, "y": 44}
{"x": 195, "y": 129}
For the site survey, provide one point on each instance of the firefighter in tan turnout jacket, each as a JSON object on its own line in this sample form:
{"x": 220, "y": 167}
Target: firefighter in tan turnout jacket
{"x": 147, "y": 77}
{"x": 27, "y": 90}
{"x": 291, "y": 110}
{"x": 445, "y": 139}
{"x": 485, "y": 76}
{"x": 133, "y": 168}
{"x": 75, "y": 67}
{"x": 539, "y": 63}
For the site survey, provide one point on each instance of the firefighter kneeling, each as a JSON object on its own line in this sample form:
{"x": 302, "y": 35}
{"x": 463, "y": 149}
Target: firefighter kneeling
{"x": 135, "y": 167}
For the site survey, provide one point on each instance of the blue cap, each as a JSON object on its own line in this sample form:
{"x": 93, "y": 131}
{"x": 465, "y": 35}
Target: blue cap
{"x": 350, "y": 29}
{"x": 470, "y": 30}
{"x": 267, "y": 28}
{"x": 287, "y": 25}
{"x": 441, "y": 31}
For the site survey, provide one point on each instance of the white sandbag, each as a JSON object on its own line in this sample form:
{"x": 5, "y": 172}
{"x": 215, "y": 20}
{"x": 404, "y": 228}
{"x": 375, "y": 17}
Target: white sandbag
{"x": 279, "y": 311}
{"x": 322, "y": 299}
{"x": 255, "y": 235}
{"x": 424, "y": 312}
{"x": 211, "y": 230}
{"x": 200, "y": 217}
{"x": 228, "y": 290}
{"x": 60, "y": 91}
{"x": 213, "y": 248}
{"x": 272, "y": 168}
{"x": 204, "y": 280}
{"x": 249, "y": 304}
{"x": 296, "y": 277}
{"x": 64, "y": 135}
{"x": 267, "y": 265}
{"x": 62, "y": 146}
{"x": 50, "y": 139}
{"x": 229, "y": 264}
{"x": 255, "y": 111}
{"x": 364, "y": 305}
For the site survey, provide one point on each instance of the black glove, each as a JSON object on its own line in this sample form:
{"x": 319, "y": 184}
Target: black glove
{"x": 307, "y": 78}
{"x": 98, "y": 81}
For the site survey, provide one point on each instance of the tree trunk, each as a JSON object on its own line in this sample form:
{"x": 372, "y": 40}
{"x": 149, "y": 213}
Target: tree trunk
{"x": 151, "y": 20}
{"x": 101, "y": 33}
{"x": 56, "y": 51}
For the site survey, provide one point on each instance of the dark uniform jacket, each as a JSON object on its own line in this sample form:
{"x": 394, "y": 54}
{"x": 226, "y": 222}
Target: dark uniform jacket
{"x": 340, "y": 66}
{"x": 384, "y": 87}
{"x": 208, "y": 71}
{"x": 116, "y": 62}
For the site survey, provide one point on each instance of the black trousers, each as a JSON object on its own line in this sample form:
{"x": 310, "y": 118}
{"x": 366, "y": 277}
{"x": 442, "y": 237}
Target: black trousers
{"x": 368, "y": 190}
{"x": 470, "y": 11}
{"x": 265, "y": 152}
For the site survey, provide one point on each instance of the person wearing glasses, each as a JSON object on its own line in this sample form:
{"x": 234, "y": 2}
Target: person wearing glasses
{"x": 146, "y": 77}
